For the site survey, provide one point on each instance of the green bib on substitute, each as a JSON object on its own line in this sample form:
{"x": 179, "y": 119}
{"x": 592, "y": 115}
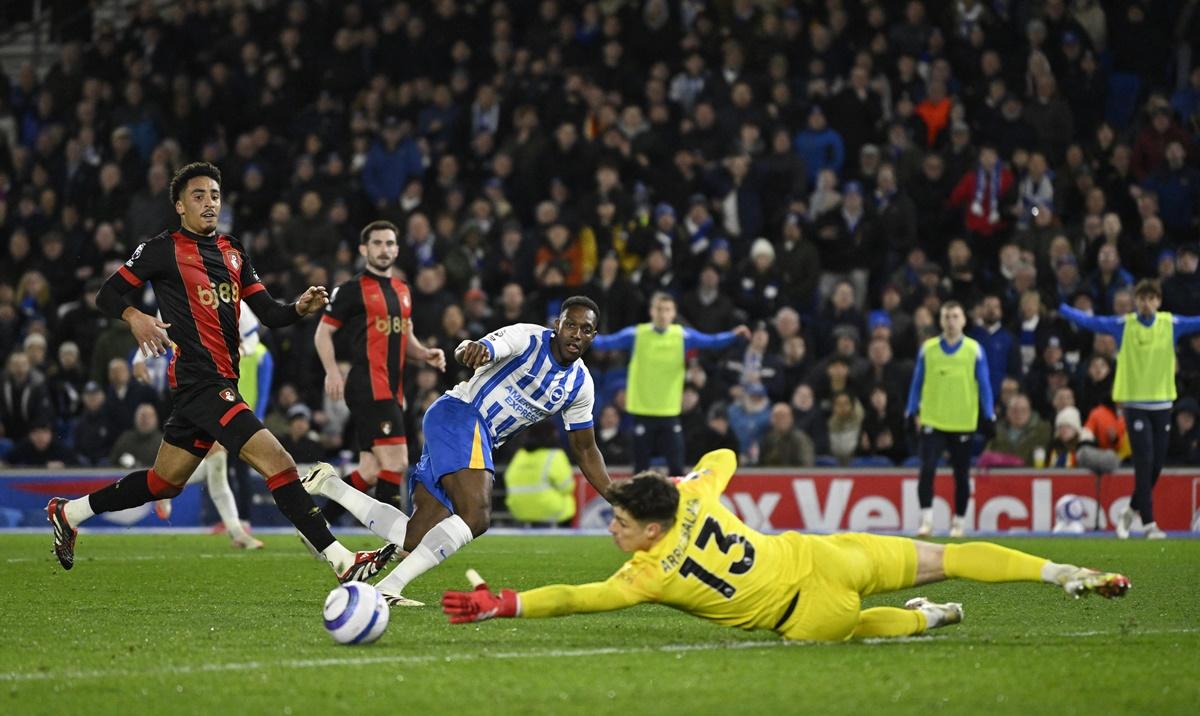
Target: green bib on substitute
{"x": 1146, "y": 361}
{"x": 950, "y": 391}
{"x": 248, "y": 375}
{"x": 656, "y": 370}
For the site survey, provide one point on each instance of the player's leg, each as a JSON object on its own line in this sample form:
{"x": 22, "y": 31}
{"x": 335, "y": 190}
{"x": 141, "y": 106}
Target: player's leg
{"x": 367, "y": 465}
{"x": 1141, "y": 445}
{"x": 987, "y": 562}
{"x": 959, "y": 447}
{"x": 1160, "y": 422}
{"x": 171, "y": 469}
{"x": 383, "y": 519}
{"x": 930, "y": 447}
{"x": 882, "y": 622}
{"x": 392, "y": 459}
{"x": 216, "y": 476}
{"x": 643, "y": 442}
{"x": 466, "y": 498}
{"x": 673, "y": 446}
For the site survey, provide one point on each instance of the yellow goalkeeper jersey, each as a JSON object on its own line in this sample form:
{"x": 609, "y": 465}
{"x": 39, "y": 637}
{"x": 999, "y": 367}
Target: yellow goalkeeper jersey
{"x": 710, "y": 564}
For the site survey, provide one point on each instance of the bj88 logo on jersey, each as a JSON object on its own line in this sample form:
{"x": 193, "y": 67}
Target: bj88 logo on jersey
{"x": 215, "y": 293}
{"x": 391, "y": 324}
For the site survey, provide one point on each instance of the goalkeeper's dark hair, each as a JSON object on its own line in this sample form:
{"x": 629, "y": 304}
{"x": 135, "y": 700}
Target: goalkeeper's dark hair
{"x": 189, "y": 172}
{"x": 580, "y": 301}
{"x": 647, "y": 497}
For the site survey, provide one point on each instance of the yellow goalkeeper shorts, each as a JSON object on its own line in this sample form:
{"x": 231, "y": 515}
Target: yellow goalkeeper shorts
{"x": 846, "y": 568}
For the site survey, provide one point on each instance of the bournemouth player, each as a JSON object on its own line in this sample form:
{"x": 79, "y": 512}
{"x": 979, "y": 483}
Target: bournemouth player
{"x": 200, "y": 278}
{"x": 1144, "y": 387}
{"x": 693, "y": 554}
{"x": 375, "y": 307}
{"x": 523, "y": 373}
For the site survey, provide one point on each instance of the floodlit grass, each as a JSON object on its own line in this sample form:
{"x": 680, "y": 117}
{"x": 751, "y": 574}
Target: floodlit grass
{"x": 184, "y": 624}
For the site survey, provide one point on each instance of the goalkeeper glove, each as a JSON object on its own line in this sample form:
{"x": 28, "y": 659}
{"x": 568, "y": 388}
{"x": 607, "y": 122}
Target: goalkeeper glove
{"x": 480, "y": 604}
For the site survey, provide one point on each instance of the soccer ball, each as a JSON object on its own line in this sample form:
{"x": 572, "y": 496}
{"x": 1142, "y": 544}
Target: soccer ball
{"x": 1069, "y": 512}
{"x": 355, "y": 613}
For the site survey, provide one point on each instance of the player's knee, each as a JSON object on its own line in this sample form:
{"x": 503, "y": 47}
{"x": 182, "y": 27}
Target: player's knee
{"x": 478, "y": 519}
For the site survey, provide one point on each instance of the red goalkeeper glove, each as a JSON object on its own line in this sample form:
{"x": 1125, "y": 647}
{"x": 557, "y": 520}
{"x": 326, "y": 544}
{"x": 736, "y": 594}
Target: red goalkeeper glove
{"x": 479, "y": 604}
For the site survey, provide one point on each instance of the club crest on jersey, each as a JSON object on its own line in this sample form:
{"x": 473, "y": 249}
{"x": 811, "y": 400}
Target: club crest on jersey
{"x": 557, "y": 394}
{"x": 233, "y": 260}
{"x": 136, "y": 253}
{"x": 386, "y": 427}
{"x": 229, "y": 395}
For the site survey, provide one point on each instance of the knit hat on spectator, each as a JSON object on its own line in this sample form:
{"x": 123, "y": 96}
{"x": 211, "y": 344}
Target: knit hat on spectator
{"x": 762, "y": 247}
{"x": 299, "y": 410}
{"x": 1068, "y": 416}
{"x": 1188, "y": 405}
{"x": 663, "y": 209}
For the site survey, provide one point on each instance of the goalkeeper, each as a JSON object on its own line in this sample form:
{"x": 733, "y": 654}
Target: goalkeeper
{"x": 691, "y": 553}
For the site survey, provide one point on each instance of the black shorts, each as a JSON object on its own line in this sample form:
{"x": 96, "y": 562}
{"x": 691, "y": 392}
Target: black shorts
{"x": 376, "y": 422}
{"x": 208, "y": 411}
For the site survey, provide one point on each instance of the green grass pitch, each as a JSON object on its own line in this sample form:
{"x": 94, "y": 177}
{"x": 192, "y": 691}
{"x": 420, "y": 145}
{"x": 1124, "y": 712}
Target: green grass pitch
{"x": 180, "y": 624}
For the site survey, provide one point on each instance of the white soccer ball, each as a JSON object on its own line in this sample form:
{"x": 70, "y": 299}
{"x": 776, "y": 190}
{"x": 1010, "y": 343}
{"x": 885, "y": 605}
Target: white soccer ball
{"x": 1069, "y": 511}
{"x": 355, "y": 613}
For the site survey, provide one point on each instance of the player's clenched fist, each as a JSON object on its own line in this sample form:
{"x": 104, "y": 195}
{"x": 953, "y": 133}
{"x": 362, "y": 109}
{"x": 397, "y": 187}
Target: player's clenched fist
{"x": 472, "y": 354}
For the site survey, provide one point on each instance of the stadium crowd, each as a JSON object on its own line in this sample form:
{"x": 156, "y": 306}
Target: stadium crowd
{"x": 828, "y": 172}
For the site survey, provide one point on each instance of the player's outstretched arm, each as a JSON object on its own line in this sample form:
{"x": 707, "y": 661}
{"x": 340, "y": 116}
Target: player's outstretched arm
{"x": 274, "y": 314}
{"x": 590, "y": 459}
{"x": 558, "y": 600}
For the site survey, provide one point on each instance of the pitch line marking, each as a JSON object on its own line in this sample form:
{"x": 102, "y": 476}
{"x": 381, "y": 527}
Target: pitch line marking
{"x": 187, "y": 670}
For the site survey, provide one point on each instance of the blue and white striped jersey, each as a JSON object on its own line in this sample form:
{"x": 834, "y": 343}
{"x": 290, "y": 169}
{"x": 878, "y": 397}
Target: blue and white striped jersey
{"x": 523, "y": 383}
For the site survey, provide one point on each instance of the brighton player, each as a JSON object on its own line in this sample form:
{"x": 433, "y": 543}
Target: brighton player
{"x": 200, "y": 278}
{"x": 375, "y": 307}
{"x": 255, "y": 387}
{"x": 693, "y": 554}
{"x": 523, "y": 374}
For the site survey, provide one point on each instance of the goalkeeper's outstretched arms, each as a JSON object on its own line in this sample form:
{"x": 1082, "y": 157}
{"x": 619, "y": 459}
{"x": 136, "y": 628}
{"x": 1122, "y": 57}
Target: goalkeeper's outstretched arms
{"x": 558, "y": 600}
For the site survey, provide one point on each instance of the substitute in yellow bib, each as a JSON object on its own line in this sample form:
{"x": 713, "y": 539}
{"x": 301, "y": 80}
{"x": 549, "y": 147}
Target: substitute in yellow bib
{"x": 657, "y": 362}
{"x": 693, "y": 554}
{"x": 950, "y": 388}
{"x": 1144, "y": 389}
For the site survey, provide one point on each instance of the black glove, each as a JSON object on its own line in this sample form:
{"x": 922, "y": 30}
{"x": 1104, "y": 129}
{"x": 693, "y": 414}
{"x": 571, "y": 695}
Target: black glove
{"x": 987, "y": 428}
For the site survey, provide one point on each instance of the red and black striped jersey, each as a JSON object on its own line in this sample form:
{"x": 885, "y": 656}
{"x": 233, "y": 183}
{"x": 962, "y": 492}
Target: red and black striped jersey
{"x": 377, "y": 311}
{"x": 199, "y": 283}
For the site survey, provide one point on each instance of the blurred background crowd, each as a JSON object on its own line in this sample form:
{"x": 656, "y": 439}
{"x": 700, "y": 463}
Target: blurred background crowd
{"x": 826, "y": 171}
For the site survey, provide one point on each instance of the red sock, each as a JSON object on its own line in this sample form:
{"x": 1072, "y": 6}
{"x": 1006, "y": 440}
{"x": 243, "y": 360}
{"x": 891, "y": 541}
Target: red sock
{"x": 275, "y": 482}
{"x": 160, "y": 488}
{"x": 391, "y": 476}
{"x": 358, "y": 483}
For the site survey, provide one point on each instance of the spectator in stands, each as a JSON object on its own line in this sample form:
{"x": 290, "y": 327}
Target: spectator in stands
{"x": 819, "y": 145}
{"x": 1021, "y": 433}
{"x": 93, "y": 430}
{"x": 982, "y": 194}
{"x": 612, "y": 440}
{"x": 750, "y": 417}
{"x": 40, "y": 448}
{"x": 124, "y": 394}
{"x": 23, "y": 401}
{"x": 783, "y": 445}
{"x": 883, "y": 433}
{"x": 717, "y": 434}
{"x": 394, "y": 159}
{"x": 1184, "y": 446}
{"x": 137, "y": 446}
{"x": 845, "y": 425}
{"x": 300, "y": 440}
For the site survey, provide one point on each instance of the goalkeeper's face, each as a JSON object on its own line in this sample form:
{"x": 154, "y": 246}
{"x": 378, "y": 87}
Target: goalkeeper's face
{"x": 631, "y": 535}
